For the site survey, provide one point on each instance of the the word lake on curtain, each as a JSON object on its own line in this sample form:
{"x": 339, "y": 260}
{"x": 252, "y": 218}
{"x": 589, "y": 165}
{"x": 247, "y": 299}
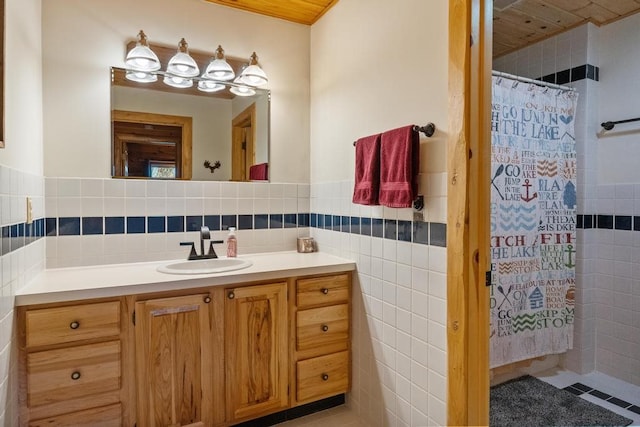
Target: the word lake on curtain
{"x": 533, "y": 221}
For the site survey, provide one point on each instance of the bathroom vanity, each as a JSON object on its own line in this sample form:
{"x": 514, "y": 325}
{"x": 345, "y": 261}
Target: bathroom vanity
{"x": 128, "y": 345}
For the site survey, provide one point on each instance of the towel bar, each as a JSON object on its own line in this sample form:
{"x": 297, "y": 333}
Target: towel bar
{"x": 429, "y": 129}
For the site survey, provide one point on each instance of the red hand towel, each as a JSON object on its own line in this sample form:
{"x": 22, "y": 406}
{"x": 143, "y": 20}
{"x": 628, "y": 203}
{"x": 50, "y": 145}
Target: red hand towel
{"x": 365, "y": 191}
{"x": 399, "y": 167}
{"x": 259, "y": 172}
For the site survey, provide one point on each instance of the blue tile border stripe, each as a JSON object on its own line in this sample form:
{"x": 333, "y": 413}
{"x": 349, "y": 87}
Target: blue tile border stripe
{"x": 16, "y": 236}
{"x": 608, "y": 222}
{"x": 425, "y": 233}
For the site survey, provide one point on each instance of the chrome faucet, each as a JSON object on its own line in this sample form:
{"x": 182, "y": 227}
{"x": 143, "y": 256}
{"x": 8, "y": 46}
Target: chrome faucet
{"x": 205, "y": 234}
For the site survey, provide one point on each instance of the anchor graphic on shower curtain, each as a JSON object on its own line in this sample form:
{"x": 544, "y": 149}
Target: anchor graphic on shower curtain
{"x": 527, "y": 186}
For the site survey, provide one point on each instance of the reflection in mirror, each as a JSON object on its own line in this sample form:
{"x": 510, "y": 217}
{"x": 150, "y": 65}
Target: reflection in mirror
{"x": 159, "y": 132}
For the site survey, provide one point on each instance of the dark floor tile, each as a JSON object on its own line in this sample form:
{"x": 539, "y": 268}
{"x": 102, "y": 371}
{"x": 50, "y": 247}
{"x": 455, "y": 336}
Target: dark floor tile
{"x": 582, "y": 387}
{"x": 573, "y": 390}
{"x": 599, "y": 394}
{"x": 619, "y": 402}
{"x": 634, "y": 408}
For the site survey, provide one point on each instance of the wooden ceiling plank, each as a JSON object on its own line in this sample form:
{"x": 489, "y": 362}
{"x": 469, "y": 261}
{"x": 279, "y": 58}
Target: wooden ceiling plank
{"x": 529, "y": 23}
{"x": 300, "y": 11}
{"x": 548, "y": 13}
{"x": 620, "y": 7}
{"x": 596, "y": 13}
{"x": 569, "y": 5}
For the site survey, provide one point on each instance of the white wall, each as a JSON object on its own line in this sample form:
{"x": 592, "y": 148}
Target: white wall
{"x": 76, "y": 86}
{"x": 378, "y": 65}
{"x": 20, "y": 176}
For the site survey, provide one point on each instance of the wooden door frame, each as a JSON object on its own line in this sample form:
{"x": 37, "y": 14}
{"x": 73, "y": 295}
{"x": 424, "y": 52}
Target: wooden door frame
{"x": 185, "y": 123}
{"x": 468, "y": 231}
{"x": 248, "y": 115}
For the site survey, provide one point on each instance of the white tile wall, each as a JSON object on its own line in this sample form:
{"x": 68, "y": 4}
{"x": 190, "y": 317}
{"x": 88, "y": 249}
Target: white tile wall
{"x": 399, "y": 313}
{"x": 16, "y": 269}
{"x": 86, "y": 197}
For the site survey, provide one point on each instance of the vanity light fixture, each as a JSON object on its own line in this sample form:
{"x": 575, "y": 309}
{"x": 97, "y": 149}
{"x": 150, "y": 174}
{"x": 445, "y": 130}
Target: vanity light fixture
{"x": 206, "y": 85}
{"x": 182, "y": 64}
{"x": 177, "y": 81}
{"x": 219, "y": 68}
{"x": 253, "y": 75}
{"x": 241, "y": 89}
{"x": 141, "y": 57}
{"x": 141, "y": 76}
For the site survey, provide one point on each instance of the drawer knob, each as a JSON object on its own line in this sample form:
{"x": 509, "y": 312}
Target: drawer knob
{"x": 74, "y": 325}
{"x": 324, "y": 290}
{"x": 325, "y": 377}
{"x": 207, "y": 299}
{"x": 75, "y": 375}
{"x": 231, "y": 295}
{"x": 325, "y": 328}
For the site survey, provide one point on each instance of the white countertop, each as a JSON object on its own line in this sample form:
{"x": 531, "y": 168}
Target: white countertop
{"x": 68, "y": 284}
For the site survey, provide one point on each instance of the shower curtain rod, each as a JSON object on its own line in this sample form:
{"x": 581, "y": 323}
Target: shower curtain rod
{"x": 528, "y": 80}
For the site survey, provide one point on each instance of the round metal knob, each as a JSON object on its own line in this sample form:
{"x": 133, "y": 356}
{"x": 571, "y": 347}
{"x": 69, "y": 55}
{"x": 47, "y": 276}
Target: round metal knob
{"x": 75, "y": 375}
{"x": 325, "y": 328}
{"x": 324, "y": 291}
{"x": 325, "y": 377}
{"x": 231, "y": 295}
{"x": 207, "y": 299}
{"x": 74, "y": 325}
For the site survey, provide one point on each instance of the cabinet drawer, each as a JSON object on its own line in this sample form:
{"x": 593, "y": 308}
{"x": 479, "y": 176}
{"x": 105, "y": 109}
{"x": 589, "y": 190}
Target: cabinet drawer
{"x": 322, "y": 376}
{"x": 324, "y": 326}
{"x": 73, "y": 323}
{"x": 322, "y": 291}
{"x": 106, "y": 416}
{"x": 69, "y": 373}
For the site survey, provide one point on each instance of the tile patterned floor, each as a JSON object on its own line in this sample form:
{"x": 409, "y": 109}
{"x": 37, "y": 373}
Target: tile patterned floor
{"x": 603, "y": 390}
{"x": 608, "y": 392}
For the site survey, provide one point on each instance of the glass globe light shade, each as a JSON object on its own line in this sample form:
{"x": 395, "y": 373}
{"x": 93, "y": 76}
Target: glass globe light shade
{"x": 141, "y": 57}
{"x": 177, "y": 81}
{"x": 182, "y": 64}
{"x": 140, "y": 76}
{"x": 210, "y": 86}
{"x": 219, "y": 68}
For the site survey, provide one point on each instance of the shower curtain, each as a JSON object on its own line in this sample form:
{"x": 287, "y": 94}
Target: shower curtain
{"x": 533, "y": 221}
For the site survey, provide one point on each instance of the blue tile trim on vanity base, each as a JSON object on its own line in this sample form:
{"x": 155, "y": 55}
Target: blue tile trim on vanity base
{"x": 16, "y": 236}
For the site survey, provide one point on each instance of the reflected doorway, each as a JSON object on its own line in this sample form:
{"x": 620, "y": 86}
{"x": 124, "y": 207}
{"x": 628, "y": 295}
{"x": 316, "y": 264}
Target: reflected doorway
{"x": 242, "y": 149}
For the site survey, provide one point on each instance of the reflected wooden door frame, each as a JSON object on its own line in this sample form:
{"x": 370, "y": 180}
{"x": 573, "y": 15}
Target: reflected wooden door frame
{"x": 243, "y": 136}
{"x": 185, "y": 123}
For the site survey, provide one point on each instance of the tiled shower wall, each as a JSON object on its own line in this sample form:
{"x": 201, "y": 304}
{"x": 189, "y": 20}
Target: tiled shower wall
{"x": 399, "y": 302}
{"x": 607, "y": 329}
{"x": 22, "y": 257}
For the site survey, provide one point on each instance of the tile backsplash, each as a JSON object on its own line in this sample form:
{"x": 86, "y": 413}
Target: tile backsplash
{"x": 21, "y": 258}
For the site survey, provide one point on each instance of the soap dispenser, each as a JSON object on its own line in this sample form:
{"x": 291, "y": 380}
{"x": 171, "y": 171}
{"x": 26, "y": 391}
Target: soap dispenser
{"x": 232, "y": 243}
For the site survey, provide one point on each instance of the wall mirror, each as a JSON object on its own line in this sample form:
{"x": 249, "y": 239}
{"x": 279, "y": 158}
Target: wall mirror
{"x": 162, "y": 132}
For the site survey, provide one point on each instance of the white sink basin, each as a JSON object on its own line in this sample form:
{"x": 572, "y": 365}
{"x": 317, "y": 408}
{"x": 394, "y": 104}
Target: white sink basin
{"x": 205, "y": 266}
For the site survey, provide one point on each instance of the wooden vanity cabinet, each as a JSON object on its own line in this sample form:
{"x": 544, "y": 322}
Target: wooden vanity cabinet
{"x": 70, "y": 364}
{"x": 256, "y": 344}
{"x": 212, "y": 356}
{"x": 174, "y": 361}
{"x": 322, "y": 337}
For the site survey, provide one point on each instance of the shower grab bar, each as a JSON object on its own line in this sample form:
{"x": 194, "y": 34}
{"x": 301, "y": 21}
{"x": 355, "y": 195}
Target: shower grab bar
{"x": 609, "y": 125}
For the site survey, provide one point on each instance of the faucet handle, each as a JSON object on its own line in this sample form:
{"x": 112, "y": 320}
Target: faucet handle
{"x": 193, "y": 253}
{"x": 212, "y": 252}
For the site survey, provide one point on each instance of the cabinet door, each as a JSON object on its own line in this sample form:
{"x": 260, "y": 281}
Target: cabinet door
{"x": 174, "y": 361}
{"x": 256, "y": 350}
